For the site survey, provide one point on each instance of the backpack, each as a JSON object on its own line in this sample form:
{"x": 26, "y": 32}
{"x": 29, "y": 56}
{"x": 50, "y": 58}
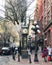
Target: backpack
{"x": 45, "y": 51}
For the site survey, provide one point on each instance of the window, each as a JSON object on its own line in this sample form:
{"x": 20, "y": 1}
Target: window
{"x": 49, "y": 37}
{"x": 48, "y": 15}
{"x": 45, "y": 21}
{"x": 48, "y": 4}
{"x": 44, "y": 2}
{"x": 45, "y": 6}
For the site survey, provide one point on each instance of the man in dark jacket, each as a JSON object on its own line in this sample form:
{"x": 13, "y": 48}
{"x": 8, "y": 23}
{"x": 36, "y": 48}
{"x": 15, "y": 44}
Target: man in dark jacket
{"x": 13, "y": 52}
{"x": 19, "y": 53}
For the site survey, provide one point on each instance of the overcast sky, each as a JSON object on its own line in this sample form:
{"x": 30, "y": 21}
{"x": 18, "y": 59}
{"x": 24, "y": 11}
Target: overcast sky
{"x": 2, "y": 3}
{"x": 31, "y": 8}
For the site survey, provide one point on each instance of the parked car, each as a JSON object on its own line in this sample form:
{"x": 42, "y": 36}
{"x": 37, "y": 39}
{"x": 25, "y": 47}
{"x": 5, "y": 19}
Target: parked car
{"x": 6, "y": 51}
{"x": 0, "y": 51}
{"x": 16, "y": 48}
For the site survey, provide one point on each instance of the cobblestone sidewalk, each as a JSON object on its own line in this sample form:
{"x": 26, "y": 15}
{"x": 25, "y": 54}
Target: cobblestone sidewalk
{"x": 26, "y": 61}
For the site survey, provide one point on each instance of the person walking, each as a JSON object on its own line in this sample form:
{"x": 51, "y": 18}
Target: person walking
{"x": 36, "y": 54}
{"x": 19, "y": 53}
{"x": 29, "y": 55}
{"x": 13, "y": 53}
{"x": 49, "y": 52}
{"x": 45, "y": 51}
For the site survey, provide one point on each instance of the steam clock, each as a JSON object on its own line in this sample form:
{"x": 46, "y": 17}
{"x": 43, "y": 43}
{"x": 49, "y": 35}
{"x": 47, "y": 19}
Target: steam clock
{"x": 24, "y": 36}
{"x": 24, "y": 41}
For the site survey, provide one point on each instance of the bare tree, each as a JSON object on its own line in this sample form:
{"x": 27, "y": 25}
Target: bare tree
{"x": 11, "y": 13}
{"x": 16, "y": 10}
{"x": 12, "y": 8}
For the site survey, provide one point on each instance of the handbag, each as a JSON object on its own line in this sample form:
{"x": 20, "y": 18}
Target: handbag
{"x": 49, "y": 58}
{"x": 43, "y": 55}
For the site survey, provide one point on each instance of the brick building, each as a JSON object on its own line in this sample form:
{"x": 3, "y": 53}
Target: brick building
{"x": 40, "y": 12}
{"x": 45, "y": 16}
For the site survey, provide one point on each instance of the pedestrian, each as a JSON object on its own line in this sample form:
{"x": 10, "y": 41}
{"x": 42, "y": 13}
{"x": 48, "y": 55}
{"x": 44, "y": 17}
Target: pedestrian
{"x": 13, "y": 53}
{"x": 29, "y": 55}
{"x": 49, "y": 52}
{"x": 36, "y": 54}
{"x": 19, "y": 53}
{"x": 45, "y": 51}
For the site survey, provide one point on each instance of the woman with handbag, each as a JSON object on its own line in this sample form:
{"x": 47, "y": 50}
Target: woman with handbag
{"x": 49, "y": 52}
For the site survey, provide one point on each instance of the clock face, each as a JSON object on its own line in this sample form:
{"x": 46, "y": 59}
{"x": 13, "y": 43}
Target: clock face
{"x": 24, "y": 30}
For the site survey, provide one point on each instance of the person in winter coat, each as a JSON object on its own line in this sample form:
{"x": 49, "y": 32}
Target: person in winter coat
{"x": 49, "y": 52}
{"x": 13, "y": 52}
{"x": 29, "y": 55}
{"x": 45, "y": 51}
{"x": 19, "y": 53}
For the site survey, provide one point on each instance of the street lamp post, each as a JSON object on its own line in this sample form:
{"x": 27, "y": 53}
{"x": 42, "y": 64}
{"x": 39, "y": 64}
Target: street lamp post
{"x": 35, "y": 28}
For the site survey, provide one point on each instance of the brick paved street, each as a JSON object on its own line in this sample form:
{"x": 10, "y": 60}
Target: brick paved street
{"x": 26, "y": 61}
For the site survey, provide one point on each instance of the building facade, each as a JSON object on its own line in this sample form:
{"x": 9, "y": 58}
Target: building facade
{"x": 45, "y": 16}
{"x": 48, "y": 20}
{"x": 40, "y": 12}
